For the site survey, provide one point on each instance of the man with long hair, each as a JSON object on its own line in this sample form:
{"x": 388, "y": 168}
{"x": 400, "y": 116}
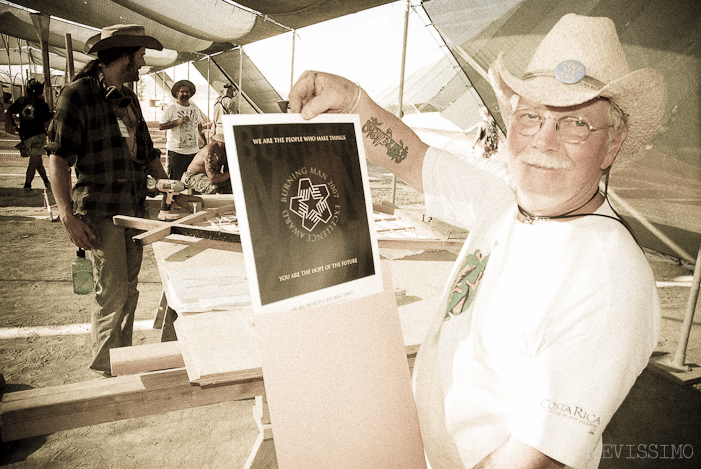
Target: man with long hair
{"x": 100, "y": 130}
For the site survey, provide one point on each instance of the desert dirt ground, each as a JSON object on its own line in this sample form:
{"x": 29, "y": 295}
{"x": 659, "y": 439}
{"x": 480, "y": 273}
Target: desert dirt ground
{"x": 44, "y": 341}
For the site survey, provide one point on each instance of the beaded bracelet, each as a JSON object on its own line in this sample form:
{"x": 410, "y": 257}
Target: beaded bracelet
{"x": 357, "y": 100}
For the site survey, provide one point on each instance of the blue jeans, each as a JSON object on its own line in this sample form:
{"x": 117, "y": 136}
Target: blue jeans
{"x": 117, "y": 262}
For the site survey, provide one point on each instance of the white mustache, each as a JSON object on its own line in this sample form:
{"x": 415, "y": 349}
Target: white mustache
{"x": 536, "y": 158}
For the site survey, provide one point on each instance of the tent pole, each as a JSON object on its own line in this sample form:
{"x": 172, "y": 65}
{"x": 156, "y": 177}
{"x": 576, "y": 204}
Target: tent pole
{"x": 41, "y": 24}
{"x": 70, "y": 65}
{"x": 400, "y": 112}
{"x": 21, "y": 69}
{"x": 292, "y": 65}
{"x": 6, "y": 43}
{"x": 240, "y": 76}
{"x": 680, "y": 355}
{"x": 209, "y": 95}
{"x": 155, "y": 96}
{"x": 678, "y": 250}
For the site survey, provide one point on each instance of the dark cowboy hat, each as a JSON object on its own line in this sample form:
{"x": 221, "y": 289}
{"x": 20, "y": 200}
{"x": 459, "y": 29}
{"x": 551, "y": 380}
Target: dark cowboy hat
{"x": 121, "y": 35}
{"x": 180, "y": 84}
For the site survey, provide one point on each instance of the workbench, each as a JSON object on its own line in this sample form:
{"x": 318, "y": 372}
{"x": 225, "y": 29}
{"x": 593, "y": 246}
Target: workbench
{"x": 160, "y": 383}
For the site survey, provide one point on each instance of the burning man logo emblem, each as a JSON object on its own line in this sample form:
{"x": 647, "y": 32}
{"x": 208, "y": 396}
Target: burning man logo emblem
{"x": 311, "y": 203}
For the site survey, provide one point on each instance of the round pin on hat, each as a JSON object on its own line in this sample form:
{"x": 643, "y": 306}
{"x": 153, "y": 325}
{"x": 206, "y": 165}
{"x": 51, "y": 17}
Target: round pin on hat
{"x": 570, "y": 71}
{"x": 640, "y": 94}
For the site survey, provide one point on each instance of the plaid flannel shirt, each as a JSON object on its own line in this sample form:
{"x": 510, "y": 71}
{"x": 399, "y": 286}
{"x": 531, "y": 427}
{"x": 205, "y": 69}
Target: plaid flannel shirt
{"x": 86, "y": 133}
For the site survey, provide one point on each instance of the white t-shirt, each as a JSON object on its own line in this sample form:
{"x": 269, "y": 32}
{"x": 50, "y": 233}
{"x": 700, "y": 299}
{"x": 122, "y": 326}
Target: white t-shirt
{"x": 183, "y": 138}
{"x": 555, "y": 321}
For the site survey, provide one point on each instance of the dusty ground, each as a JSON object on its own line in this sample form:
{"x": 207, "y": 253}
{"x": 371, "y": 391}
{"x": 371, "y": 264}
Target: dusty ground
{"x": 35, "y": 292}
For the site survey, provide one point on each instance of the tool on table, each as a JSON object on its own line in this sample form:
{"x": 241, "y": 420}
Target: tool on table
{"x": 170, "y": 187}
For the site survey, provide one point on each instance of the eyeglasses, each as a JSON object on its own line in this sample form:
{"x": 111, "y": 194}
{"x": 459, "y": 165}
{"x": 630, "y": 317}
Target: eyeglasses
{"x": 570, "y": 129}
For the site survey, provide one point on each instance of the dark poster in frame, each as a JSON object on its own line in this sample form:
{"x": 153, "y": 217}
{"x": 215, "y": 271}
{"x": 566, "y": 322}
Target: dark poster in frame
{"x": 304, "y": 209}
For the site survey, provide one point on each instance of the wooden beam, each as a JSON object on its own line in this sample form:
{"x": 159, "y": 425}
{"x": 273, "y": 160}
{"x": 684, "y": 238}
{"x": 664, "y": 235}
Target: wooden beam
{"x": 208, "y": 201}
{"x": 138, "y": 223}
{"x": 41, "y": 411}
{"x": 144, "y": 358}
{"x": 424, "y": 244}
{"x": 157, "y": 230}
{"x": 216, "y": 235}
{"x": 151, "y": 236}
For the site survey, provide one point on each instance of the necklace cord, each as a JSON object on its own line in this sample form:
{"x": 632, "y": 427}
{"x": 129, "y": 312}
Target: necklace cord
{"x": 530, "y": 218}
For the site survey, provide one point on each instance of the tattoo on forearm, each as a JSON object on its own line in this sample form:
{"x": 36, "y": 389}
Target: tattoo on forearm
{"x": 396, "y": 151}
{"x": 212, "y": 163}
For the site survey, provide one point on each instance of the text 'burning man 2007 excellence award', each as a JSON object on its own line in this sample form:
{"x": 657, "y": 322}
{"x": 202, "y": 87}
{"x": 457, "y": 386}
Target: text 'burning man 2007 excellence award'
{"x": 304, "y": 209}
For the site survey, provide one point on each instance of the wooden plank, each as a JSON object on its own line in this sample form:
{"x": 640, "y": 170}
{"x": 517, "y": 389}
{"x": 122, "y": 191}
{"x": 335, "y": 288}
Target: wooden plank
{"x": 403, "y": 235}
{"x": 341, "y": 399}
{"x": 155, "y": 234}
{"x": 420, "y": 244}
{"x": 384, "y": 207}
{"x": 151, "y": 236}
{"x": 208, "y": 201}
{"x": 157, "y": 231}
{"x": 145, "y": 358}
{"x": 41, "y": 411}
{"x": 138, "y": 223}
{"x": 219, "y": 346}
{"x": 160, "y": 311}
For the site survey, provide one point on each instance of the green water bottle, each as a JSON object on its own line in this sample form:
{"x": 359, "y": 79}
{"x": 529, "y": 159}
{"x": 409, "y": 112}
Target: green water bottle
{"x": 81, "y": 268}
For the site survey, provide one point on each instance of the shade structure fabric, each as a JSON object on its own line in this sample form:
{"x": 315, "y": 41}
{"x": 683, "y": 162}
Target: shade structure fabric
{"x": 258, "y": 95}
{"x": 662, "y": 187}
{"x": 204, "y": 26}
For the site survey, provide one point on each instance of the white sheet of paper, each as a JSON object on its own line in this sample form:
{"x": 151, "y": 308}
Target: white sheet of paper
{"x": 199, "y": 289}
{"x": 304, "y": 209}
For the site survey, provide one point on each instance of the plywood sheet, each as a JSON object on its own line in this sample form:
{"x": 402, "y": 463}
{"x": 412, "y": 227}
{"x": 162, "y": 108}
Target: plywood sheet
{"x": 338, "y": 385}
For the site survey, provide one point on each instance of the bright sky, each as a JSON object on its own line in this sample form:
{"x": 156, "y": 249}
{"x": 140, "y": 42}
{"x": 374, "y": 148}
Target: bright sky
{"x": 365, "y": 47}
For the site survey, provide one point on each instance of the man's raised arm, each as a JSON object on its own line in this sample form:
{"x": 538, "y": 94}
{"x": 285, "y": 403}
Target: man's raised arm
{"x": 388, "y": 141}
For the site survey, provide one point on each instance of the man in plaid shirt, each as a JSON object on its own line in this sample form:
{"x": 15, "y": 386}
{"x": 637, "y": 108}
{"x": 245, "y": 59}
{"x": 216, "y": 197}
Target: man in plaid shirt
{"x": 99, "y": 129}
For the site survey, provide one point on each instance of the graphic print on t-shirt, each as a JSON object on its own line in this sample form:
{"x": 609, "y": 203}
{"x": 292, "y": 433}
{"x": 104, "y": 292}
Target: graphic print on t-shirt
{"x": 28, "y": 112}
{"x": 468, "y": 279}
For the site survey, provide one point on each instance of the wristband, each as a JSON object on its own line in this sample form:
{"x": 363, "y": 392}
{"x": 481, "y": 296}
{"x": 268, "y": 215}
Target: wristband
{"x": 357, "y": 100}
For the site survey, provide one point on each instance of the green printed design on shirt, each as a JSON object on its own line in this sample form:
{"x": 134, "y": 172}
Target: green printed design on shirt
{"x": 468, "y": 279}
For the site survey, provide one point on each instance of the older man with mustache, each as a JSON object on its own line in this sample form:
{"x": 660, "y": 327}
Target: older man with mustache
{"x": 551, "y": 311}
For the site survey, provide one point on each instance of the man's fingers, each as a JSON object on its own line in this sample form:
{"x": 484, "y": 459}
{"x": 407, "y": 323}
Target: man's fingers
{"x": 317, "y": 92}
{"x": 79, "y": 232}
{"x": 314, "y": 107}
{"x": 302, "y": 91}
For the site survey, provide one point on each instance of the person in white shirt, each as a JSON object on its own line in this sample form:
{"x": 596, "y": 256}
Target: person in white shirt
{"x": 185, "y": 123}
{"x": 551, "y": 311}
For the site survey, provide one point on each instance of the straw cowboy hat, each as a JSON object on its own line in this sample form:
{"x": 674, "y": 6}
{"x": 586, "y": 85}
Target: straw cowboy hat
{"x": 180, "y": 84}
{"x": 580, "y": 59}
{"x": 121, "y": 35}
